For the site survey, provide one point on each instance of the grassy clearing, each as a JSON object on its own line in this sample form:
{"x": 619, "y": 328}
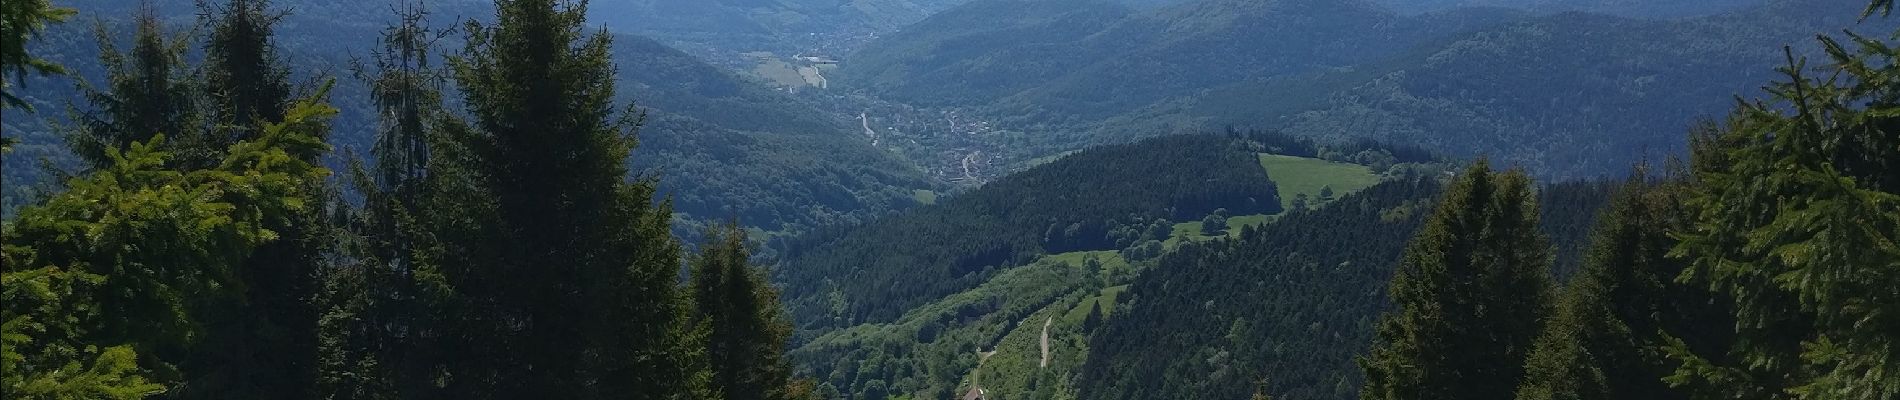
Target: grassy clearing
{"x": 1300, "y": 175}
{"x": 1048, "y": 158}
{"x": 924, "y": 197}
{"x": 779, "y": 73}
{"x": 1111, "y": 260}
{"x": 1106, "y": 298}
{"x": 1191, "y": 231}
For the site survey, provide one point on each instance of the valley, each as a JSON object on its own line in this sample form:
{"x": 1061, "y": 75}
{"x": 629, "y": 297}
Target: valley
{"x": 928, "y": 199}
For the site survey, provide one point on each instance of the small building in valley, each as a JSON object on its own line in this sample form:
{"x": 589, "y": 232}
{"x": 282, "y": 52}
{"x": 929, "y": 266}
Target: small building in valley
{"x": 975, "y": 393}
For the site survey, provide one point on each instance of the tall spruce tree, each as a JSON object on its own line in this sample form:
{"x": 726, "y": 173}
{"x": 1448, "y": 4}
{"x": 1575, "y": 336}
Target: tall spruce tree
{"x": 1799, "y": 225}
{"x": 1470, "y": 292}
{"x": 572, "y": 286}
{"x": 380, "y": 301}
{"x": 246, "y": 80}
{"x": 1613, "y": 321}
{"x": 263, "y": 342}
{"x": 148, "y": 91}
{"x": 746, "y": 328}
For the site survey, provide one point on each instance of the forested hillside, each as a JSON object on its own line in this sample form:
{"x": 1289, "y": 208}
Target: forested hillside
{"x": 876, "y": 272}
{"x": 973, "y": 292}
{"x": 1053, "y": 60}
{"x": 1290, "y": 304}
{"x": 802, "y": 168}
{"x": 725, "y": 28}
{"x": 1655, "y": 9}
{"x": 1462, "y": 81}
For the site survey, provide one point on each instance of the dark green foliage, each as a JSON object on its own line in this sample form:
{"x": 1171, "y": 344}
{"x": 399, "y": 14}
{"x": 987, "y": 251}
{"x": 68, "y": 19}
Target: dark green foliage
{"x": 1470, "y": 294}
{"x": 1215, "y": 224}
{"x": 1611, "y": 323}
{"x": 384, "y": 302}
{"x": 1094, "y": 319}
{"x": 247, "y": 81}
{"x": 22, "y": 21}
{"x": 568, "y": 283}
{"x": 262, "y": 342}
{"x": 1569, "y": 211}
{"x": 148, "y": 91}
{"x": 1293, "y": 302}
{"x": 746, "y": 329}
{"x": 1295, "y": 359}
{"x": 1798, "y": 216}
{"x": 876, "y": 272}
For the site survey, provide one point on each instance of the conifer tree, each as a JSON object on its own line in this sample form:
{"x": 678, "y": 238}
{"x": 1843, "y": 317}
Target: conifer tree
{"x": 263, "y": 343}
{"x": 747, "y": 329}
{"x": 1798, "y": 220}
{"x": 571, "y": 282}
{"x": 381, "y": 301}
{"x": 1606, "y": 338}
{"x": 148, "y": 91}
{"x": 1470, "y": 294}
{"x": 246, "y": 80}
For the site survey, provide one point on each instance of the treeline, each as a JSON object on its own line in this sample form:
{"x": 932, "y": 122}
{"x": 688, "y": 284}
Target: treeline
{"x": 498, "y": 249}
{"x": 1763, "y": 269}
{"x": 875, "y": 272}
{"x": 1293, "y": 301}
{"x": 1760, "y": 271}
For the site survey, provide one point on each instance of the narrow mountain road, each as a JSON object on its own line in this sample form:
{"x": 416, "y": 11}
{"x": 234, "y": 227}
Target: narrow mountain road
{"x": 1045, "y": 341}
{"x": 864, "y": 119}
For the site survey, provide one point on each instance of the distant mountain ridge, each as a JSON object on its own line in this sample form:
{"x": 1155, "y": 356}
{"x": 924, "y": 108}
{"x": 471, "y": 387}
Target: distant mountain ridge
{"x": 1567, "y": 95}
{"x": 1625, "y": 8}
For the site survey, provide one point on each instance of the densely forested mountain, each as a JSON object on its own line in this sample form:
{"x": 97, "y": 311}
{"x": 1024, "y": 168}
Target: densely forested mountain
{"x": 1290, "y": 304}
{"x": 1055, "y": 60}
{"x": 803, "y": 167}
{"x": 992, "y": 47}
{"x": 1464, "y": 81}
{"x": 1628, "y": 8}
{"x": 1628, "y": 86}
{"x": 741, "y": 33}
{"x": 946, "y": 298}
{"x": 876, "y": 272}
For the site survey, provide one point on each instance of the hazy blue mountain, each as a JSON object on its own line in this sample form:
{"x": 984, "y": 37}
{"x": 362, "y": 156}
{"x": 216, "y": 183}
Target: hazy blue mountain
{"x": 1570, "y": 94}
{"x": 1062, "y": 59}
{"x": 1627, "y": 8}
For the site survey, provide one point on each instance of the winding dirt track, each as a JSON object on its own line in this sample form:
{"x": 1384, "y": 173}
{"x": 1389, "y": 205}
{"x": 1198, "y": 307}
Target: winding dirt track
{"x": 1045, "y": 341}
